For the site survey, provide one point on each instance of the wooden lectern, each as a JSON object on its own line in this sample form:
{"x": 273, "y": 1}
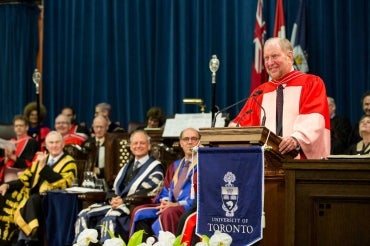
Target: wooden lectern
{"x": 274, "y": 199}
{"x": 254, "y": 135}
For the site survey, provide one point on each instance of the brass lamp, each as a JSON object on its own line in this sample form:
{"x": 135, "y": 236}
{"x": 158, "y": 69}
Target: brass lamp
{"x": 196, "y": 101}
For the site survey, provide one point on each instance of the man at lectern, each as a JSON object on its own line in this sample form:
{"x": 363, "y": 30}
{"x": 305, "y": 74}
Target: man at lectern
{"x": 292, "y": 104}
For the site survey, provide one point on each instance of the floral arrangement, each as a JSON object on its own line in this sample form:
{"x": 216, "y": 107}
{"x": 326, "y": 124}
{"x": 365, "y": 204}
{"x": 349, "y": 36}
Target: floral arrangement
{"x": 89, "y": 237}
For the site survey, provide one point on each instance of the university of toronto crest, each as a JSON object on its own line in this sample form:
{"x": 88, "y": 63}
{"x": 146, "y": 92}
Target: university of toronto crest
{"x": 229, "y": 194}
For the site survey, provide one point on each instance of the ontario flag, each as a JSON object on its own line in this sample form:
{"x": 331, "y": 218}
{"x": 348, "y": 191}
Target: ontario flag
{"x": 279, "y": 29}
{"x": 259, "y": 74}
{"x": 298, "y": 39}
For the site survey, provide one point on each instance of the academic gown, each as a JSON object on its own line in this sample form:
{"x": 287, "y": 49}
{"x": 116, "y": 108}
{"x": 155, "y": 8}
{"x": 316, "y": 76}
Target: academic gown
{"x": 103, "y": 217}
{"x": 186, "y": 199}
{"x": 305, "y": 112}
{"x": 25, "y": 149}
{"x": 17, "y": 209}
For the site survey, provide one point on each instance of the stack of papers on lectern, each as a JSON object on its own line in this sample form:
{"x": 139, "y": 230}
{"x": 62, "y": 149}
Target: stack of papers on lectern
{"x": 174, "y": 126}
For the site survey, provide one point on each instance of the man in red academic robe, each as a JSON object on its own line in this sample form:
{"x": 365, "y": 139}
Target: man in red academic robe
{"x": 18, "y": 152}
{"x": 305, "y": 114}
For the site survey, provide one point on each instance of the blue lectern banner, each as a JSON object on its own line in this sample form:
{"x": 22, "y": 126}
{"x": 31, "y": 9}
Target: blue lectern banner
{"x": 230, "y": 188}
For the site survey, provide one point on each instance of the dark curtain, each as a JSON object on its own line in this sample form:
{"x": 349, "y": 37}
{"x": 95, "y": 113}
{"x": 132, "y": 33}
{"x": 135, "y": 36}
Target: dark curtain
{"x": 18, "y": 51}
{"x": 138, "y": 54}
{"x": 135, "y": 54}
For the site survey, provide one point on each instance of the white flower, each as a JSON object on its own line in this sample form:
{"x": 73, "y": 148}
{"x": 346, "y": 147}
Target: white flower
{"x": 150, "y": 241}
{"x": 201, "y": 244}
{"x": 113, "y": 242}
{"x": 87, "y": 236}
{"x": 165, "y": 238}
{"x": 220, "y": 239}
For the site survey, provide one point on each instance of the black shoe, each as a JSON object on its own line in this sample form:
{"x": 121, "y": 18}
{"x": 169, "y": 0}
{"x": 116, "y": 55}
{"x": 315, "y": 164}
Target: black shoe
{"x": 33, "y": 243}
{"x": 21, "y": 243}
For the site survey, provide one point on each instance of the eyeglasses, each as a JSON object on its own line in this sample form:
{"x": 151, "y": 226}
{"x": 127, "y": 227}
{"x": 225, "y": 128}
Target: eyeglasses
{"x": 192, "y": 139}
{"x": 62, "y": 123}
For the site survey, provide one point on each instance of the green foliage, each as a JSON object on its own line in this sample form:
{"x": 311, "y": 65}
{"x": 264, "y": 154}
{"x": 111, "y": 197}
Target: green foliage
{"x": 205, "y": 239}
{"x": 178, "y": 241}
{"x": 136, "y": 238}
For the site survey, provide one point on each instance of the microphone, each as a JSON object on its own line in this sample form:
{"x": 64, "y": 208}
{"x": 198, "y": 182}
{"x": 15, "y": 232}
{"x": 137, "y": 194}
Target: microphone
{"x": 258, "y": 92}
{"x": 263, "y": 109}
{"x": 196, "y": 147}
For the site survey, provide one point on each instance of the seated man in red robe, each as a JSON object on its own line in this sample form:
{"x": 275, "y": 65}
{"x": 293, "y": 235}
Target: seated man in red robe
{"x": 63, "y": 126}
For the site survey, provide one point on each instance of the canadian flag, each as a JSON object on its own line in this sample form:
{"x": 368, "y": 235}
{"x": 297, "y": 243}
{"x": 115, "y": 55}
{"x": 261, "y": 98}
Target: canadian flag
{"x": 298, "y": 39}
{"x": 279, "y": 29}
{"x": 259, "y": 74}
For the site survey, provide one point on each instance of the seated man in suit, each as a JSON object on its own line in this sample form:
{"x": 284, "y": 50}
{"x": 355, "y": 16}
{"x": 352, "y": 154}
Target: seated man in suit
{"x": 177, "y": 195}
{"x": 21, "y": 150}
{"x": 97, "y": 144}
{"x": 139, "y": 176}
{"x": 20, "y": 200}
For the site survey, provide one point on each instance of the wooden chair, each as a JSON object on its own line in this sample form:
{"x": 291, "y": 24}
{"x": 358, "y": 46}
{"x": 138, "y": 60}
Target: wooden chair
{"x": 81, "y": 157}
{"x": 134, "y": 125}
{"x": 6, "y": 131}
{"x": 117, "y": 154}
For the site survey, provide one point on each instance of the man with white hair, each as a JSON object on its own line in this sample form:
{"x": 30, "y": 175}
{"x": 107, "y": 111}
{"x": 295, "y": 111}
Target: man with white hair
{"x": 20, "y": 200}
{"x": 292, "y": 104}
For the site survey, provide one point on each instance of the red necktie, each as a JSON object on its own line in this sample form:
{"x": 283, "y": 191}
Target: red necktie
{"x": 181, "y": 179}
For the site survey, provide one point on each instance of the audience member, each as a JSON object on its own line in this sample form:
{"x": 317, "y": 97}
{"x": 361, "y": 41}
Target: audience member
{"x": 76, "y": 128}
{"x": 36, "y": 126}
{"x": 340, "y": 128}
{"x": 20, "y": 151}
{"x": 365, "y": 103}
{"x": 155, "y": 118}
{"x": 104, "y": 110}
{"x": 20, "y": 200}
{"x": 63, "y": 126}
{"x": 177, "y": 195}
{"x": 100, "y": 126}
{"x": 363, "y": 146}
{"x": 140, "y": 176}
{"x": 300, "y": 116}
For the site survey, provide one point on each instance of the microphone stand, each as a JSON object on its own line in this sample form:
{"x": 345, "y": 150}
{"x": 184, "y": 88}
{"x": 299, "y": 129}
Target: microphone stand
{"x": 36, "y": 77}
{"x": 263, "y": 111}
{"x": 214, "y": 64}
{"x": 256, "y": 93}
{"x": 226, "y": 108}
